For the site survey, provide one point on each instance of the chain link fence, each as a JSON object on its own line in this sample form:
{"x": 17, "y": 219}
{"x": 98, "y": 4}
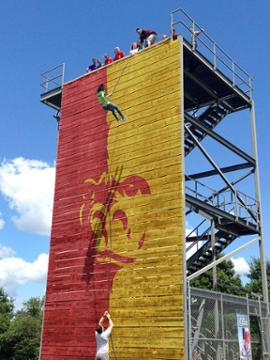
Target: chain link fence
{"x": 214, "y": 328}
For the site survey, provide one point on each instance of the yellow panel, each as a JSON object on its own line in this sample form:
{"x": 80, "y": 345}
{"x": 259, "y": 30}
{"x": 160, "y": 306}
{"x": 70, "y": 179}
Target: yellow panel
{"x": 147, "y": 299}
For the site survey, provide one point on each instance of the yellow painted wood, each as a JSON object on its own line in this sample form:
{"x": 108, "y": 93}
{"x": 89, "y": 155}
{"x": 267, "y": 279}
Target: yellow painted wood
{"x": 147, "y": 299}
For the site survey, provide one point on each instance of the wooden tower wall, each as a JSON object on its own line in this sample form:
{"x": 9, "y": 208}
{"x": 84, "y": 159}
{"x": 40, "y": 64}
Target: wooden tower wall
{"x": 118, "y": 232}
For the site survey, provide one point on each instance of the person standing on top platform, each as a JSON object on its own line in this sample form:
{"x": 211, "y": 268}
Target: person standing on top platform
{"x": 134, "y": 48}
{"x": 149, "y": 36}
{"x": 118, "y": 54}
{"x": 108, "y": 59}
{"x": 107, "y": 105}
{"x": 140, "y": 45}
{"x": 93, "y": 66}
{"x": 99, "y": 63}
{"x": 194, "y": 36}
{"x": 102, "y": 337}
{"x": 174, "y": 34}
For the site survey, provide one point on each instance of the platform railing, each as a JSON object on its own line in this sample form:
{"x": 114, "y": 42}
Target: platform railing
{"x": 53, "y": 78}
{"x": 216, "y": 56}
{"x": 227, "y": 200}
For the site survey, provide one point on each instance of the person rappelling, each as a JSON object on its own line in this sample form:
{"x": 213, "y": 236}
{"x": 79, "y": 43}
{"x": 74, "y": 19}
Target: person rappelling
{"x": 102, "y": 337}
{"x": 103, "y": 99}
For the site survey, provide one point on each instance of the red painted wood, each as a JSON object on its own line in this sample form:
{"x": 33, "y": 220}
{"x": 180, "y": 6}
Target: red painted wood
{"x": 76, "y": 295}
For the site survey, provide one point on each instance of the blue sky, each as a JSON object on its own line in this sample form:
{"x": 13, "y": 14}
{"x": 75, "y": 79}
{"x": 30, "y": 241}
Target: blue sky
{"x": 36, "y": 35}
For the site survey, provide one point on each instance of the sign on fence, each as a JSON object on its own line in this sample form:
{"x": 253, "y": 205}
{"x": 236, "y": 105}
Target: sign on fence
{"x": 244, "y": 337}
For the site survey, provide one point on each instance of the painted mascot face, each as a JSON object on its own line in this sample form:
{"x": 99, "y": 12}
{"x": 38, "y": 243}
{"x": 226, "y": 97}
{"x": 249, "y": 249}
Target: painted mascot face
{"x": 108, "y": 212}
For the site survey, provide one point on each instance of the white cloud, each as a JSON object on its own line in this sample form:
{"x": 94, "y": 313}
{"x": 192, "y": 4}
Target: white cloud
{"x": 15, "y": 271}
{"x": 241, "y": 266}
{"x": 2, "y": 223}
{"x": 28, "y": 185}
{"x": 6, "y": 252}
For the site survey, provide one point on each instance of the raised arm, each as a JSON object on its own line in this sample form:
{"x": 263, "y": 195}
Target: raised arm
{"x": 110, "y": 321}
{"x": 101, "y": 320}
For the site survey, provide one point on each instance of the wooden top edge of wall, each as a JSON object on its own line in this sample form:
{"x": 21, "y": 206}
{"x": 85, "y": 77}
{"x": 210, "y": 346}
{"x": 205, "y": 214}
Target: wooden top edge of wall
{"x": 160, "y": 43}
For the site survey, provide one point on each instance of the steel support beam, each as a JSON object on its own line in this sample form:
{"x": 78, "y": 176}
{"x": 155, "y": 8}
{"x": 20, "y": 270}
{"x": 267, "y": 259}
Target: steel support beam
{"x": 220, "y": 260}
{"x": 206, "y": 89}
{"x": 220, "y": 139}
{"x": 215, "y": 212}
{"x": 225, "y": 188}
{"x": 214, "y": 172}
{"x": 258, "y": 198}
{"x": 219, "y": 172}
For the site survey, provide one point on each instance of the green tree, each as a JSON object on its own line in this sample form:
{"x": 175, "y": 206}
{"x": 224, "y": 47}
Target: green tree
{"x": 227, "y": 280}
{"x": 21, "y": 340}
{"x": 6, "y": 311}
{"x": 254, "y": 286}
{"x": 6, "y": 315}
{"x": 33, "y": 307}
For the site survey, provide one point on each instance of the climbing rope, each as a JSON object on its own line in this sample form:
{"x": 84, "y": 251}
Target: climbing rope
{"x": 119, "y": 78}
{"x": 117, "y": 177}
{"x": 111, "y": 337}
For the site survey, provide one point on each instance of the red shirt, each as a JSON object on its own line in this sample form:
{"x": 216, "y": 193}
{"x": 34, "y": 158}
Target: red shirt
{"x": 108, "y": 60}
{"x": 119, "y": 55}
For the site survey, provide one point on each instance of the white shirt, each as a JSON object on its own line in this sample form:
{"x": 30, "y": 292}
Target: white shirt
{"x": 133, "y": 51}
{"x": 103, "y": 341}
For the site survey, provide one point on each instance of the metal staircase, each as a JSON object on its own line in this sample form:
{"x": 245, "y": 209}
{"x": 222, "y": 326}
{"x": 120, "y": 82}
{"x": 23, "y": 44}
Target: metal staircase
{"x": 210, "y": 118}
{"x": 234, "y": 215}
{"x": 210, "y": 96}
{"x": 233, "y": 218}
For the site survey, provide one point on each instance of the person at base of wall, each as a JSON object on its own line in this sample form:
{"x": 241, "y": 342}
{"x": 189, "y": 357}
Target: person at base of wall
{"x": 118, "y": 54}
{"x": 102, "y": 337}
{"x": 108, "y": 59}
{"x": 107, "y": 105}
{"x": 147, "y": 36}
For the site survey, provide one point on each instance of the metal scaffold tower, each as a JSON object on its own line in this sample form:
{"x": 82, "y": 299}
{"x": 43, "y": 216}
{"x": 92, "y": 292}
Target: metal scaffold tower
{"x": 215, "y": 87}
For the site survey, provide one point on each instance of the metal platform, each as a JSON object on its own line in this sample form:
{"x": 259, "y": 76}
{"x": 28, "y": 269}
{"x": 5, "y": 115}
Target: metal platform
{"x": 206, "y": 85}
{"x": 52, "y": 83}
{"x": 52, "y": 98}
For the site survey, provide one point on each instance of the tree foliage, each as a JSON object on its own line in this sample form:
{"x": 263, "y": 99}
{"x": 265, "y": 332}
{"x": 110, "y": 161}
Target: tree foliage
{"x": 6, "y": 311}
{"x": 254, "y": 286}
{"x": 227, "y": 280}
{"x": 20, "y": 336}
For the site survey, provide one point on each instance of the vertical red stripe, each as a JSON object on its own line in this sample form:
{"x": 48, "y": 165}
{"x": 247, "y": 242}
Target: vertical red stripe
{"x": 75, "y": 294}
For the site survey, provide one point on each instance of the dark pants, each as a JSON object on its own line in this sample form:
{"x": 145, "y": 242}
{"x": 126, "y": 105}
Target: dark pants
{"x": 113, "y": 108}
